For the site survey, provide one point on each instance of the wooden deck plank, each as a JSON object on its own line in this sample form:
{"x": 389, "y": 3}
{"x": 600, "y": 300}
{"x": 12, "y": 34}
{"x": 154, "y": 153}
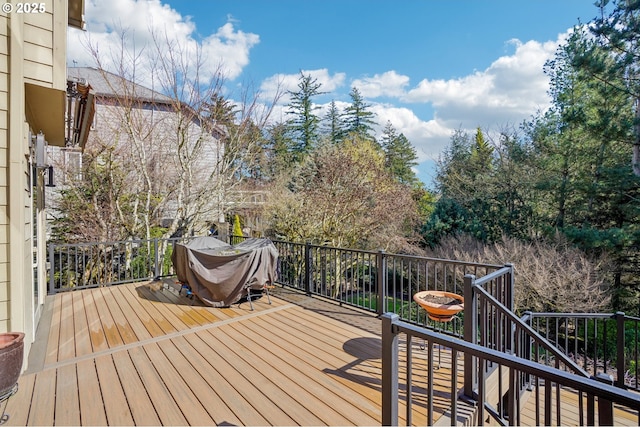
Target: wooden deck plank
{"x": 187, "y": 312}
{"x": 182, "y": 355}
{"x": 91, "y": 405}
{"x": 143, "y": 411}
{"x": 264, "y": 378}
{"x": 96, "y": 331}
{"x": 570, "y": 411}
{"x": 129, "y": 294}
{"x": 116, "y": 408}
{"x": 164, "y": 310}
{"x": 256, "y": 398}
{"x": 21, "y": 401}
{"x": 166, "y": 408}
{"x": 66, "y": 346}
{"x": 279, "y": 364}
{"x": 221, "y": 382}
{"x": 352, "y": 370}
{"x": 67, "y": 403}
{"x": 151, "y": 308}
{"x": 309, "y": 365}
{"x": 43, "y": 401}
{"x": 319, "y": 342}
{"x": 80, "y": 326}
{"x": 330, "y": 408}
{"x": 111, "y": 332}
{"x": 51, "y": 354}
{"x": 120, "y": 320}
{"x": 184, "y": 397}
{"x": 134, "y": 321}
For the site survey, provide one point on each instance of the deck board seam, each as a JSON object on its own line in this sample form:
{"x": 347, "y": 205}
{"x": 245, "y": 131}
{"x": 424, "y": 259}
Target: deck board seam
{"x": 169, "y": 336}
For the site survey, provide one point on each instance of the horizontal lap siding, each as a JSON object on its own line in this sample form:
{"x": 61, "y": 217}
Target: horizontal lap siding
{"x": 4, "y": 153}
{"x": 38, "y": 45}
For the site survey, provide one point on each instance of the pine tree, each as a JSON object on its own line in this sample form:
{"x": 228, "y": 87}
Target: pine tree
{"x": 334, "y": 127}
{"x": 304, "y": 124}
{"x": 400, "y": 156}
{"x": 481, "y": 154}
{"x": 357, "y": 117}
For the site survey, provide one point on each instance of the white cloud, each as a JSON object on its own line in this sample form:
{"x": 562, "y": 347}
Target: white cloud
{"x": 139, "y": 20}
{"x": 511, "y": 89}
{"x": 289, "y": 82}
{"x": 386, "y": 84}
{"x": 428, "y": 137}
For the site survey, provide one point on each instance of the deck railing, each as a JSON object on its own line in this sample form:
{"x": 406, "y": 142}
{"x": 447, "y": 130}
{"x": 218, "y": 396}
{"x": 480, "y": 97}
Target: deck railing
{"x": 599, "y": 342}
{"x": 375, "y": 281}
{"x": 598, "y": 398}
{"x": 85, "y": 265}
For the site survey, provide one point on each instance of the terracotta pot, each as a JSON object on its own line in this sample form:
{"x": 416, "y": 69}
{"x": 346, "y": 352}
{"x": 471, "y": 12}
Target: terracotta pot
{"x": 436, "y": 311}
{"x": 11, "y": 353}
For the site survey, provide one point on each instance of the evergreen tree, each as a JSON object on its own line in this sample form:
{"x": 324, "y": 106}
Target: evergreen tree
{"x": 334, "y": 127}
{"x": 588, "y": 145}
{"x": 304, "y": 124}
{"x": 618, "y": 33}
{"x": 481, "y": 154}
{"x": 358, "y": 119}
{"x": 280, "y": 153}
{"x": 220, "y": 111}
{"x": 400, "y": 156}
{"x": 237, "y": 227}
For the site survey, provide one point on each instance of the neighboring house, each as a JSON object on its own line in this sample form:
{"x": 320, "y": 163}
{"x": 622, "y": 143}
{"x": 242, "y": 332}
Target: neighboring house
{"x": 162, "y": 145}
{"x": 33, "y": 82}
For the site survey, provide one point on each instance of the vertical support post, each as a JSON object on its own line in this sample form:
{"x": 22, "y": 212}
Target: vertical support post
{"x": 470, "y": 328}
{"x": 389, "y": 370}
{"x": 605, "y": 407}
{"x": 526, "y": 351}
{"x": 381, "y": 281}
{"x": 509, "y": 293}
{"x": 157, "y": 270}
{"x": 620, "y": 358}
{"x": 513, "y": 391}
{"x": 307, "y": 268}
{"x": 52, "y": 276}
{"x": 591, "y": 405}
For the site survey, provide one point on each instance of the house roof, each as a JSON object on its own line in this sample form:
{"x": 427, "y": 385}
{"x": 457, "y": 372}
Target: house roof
{"x": 106, "y": 84}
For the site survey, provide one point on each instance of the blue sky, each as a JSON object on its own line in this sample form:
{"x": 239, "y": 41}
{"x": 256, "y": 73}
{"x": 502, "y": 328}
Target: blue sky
{"x": 429, "y": 67}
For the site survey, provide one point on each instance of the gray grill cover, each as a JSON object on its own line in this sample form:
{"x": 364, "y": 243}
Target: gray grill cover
{"x": 220, "y": 274}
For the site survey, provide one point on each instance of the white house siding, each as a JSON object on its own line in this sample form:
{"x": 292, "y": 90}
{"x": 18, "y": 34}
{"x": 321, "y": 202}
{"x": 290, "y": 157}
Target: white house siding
{"x": 161, "y": 149}
{"x": 4, "y": 164}
{"x": 32, "y": 50}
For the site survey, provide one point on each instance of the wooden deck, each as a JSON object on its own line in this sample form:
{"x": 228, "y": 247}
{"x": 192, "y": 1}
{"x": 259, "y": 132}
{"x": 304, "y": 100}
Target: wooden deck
{"x": 135, "y": 354}
{"x": 140, "y": 354}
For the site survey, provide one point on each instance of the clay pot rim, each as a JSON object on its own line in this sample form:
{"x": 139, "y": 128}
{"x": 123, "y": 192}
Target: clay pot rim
{"x": 417, "y": 297}
{"x": 17, "y": 337}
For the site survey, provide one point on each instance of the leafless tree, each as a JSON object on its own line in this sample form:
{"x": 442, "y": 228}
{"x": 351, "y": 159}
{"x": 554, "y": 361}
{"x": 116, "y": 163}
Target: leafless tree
{"x": 177, "y": 163}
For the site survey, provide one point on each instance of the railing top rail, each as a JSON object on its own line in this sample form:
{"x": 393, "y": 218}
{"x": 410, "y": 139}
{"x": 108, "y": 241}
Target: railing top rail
{"x": 407, "y": 256}
{"x": 479, "y": 281}
{"x": 115, "y": 242}
{"x": 449, "y": 261}
{"x": 588, "y": 385}
{"x": 539, "y": 338}
{"x": 533, "y": 315}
